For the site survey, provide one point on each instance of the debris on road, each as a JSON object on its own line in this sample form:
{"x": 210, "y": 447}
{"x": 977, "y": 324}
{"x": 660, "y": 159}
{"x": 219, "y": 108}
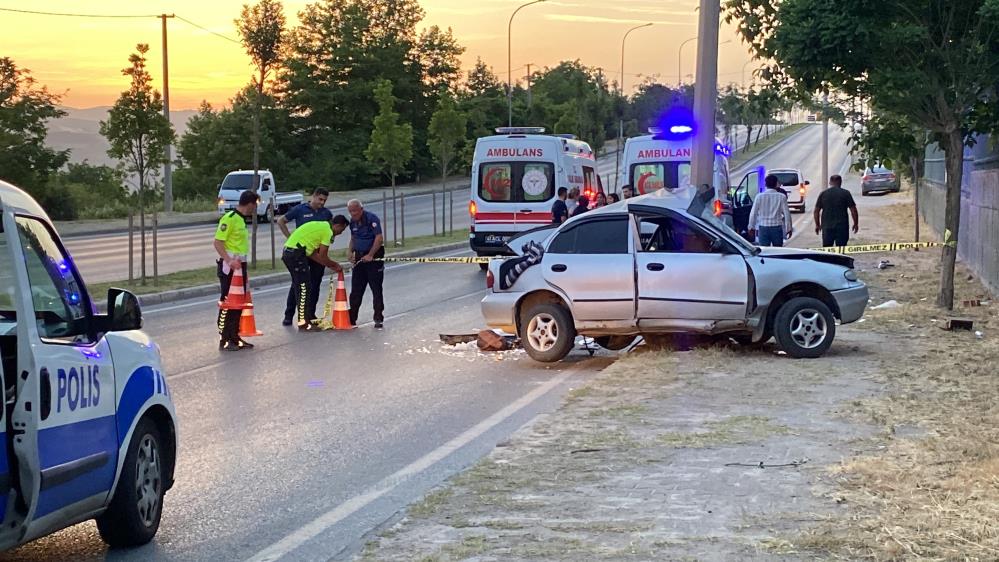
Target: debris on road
{"x": 885, "y": 264}
{"x": 889, "y": 304}
{"x": 455, "y": 339}
{"x": 959, "y": 324}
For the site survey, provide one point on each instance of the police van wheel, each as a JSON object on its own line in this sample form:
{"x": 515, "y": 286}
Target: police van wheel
{"x": 133, "y": 517}
{"x": 548, "y": 333}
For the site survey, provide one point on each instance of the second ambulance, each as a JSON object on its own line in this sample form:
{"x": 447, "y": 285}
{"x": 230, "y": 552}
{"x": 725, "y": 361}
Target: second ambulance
{"x": 515, "y": 179}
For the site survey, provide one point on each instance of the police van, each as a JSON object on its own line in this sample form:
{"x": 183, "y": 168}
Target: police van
{"x": 515, "y": 179}
{"x": 88, "y": 427}
{"x": 662, "y": 158}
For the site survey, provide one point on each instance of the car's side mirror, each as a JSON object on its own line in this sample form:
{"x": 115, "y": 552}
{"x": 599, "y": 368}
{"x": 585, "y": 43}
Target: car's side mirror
{"x": 123, "y": 311}
{"x": 808, "y": 182}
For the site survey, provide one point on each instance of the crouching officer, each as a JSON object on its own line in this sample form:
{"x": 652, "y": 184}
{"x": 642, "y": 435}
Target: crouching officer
{"x": 232, "y": 243}
{"x": 310, "y": 242}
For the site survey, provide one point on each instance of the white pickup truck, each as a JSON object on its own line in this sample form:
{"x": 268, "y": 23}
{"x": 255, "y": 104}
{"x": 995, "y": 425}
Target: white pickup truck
{"x": 239, "y": 181}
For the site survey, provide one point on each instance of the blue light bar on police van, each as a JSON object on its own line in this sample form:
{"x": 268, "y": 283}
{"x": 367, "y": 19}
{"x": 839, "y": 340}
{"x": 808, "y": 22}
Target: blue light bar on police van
{"x": 520, "y": 130}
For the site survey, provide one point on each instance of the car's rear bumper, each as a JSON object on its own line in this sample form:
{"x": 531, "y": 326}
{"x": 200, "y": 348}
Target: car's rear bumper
{"x": 499, "y": 311}
{"x": 851, "y": 302}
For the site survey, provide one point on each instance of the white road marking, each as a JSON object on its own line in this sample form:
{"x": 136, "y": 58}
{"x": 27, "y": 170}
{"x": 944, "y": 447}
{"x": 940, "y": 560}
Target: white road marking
{"x": 322, "y": 523}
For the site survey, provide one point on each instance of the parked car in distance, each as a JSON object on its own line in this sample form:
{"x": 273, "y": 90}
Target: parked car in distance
{"x": 271, "y": 202}
{"x": 793, "y": 184}
{"x": 660, "y": 264}
{"x": 878, "y": 179}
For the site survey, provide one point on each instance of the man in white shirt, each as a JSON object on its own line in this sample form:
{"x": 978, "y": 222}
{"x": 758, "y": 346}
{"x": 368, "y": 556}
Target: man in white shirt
{"x": 770, "y": 217}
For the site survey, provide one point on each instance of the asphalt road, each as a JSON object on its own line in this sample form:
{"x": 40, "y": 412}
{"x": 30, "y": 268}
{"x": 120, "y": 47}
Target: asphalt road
{"x": 299, "y": 448}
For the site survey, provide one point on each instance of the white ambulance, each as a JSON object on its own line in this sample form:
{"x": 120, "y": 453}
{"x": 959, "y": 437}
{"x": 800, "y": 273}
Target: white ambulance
{"x": 661, "y": 159}
{"x": 515, "y": 179}
{"x": 88, "y": 426}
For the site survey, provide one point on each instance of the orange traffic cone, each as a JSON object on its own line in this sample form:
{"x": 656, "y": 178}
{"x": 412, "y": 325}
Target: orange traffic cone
{"x": 341, "y": 314}
{"x": 247, "y": 323}
{"x": 237, "y": 298}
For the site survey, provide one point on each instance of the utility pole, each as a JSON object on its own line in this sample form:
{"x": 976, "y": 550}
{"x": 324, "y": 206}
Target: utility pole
{"x": 825, "y": 140}
{"x": 705, "y": 94}
{"x": 509, "y": 61}
{"x": 620, "y": 123}
{"x": 529, "y": 99}
{"x": 167, "y": 169}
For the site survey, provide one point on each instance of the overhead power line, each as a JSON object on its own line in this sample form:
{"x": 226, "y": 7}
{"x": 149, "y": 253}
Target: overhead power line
{"x": 120, "y": 16}
{"x": 72, "y": 15}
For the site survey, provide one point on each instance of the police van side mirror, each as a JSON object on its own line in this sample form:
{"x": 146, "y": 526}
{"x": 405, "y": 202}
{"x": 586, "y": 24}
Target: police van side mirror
{"x": 124, "y": 313}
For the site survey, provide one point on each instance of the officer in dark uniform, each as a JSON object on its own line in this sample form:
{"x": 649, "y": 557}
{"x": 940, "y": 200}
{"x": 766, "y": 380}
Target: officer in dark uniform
{"x": 366, "y": 246}
{"x": 232, "y": 243}
{"x": 314, "y": 210}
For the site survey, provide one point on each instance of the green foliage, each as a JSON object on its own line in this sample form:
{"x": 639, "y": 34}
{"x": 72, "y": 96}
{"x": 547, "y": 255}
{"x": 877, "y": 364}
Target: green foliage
{"x": 25, "y": 108}
{"x": 136, "y": 129}
{"x": 261, "y": 28}
{"x": 439, "y": 56}
{"x": 446, "y": 132}
{"x": 391, "y": 146}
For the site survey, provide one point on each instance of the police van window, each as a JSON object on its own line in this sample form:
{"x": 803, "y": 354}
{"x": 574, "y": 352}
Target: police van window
{"x": 8, "y": 290}
{"x": 514, "y": 182}
{"x": 57, "y": 295}
{"x": 605, "y": 236}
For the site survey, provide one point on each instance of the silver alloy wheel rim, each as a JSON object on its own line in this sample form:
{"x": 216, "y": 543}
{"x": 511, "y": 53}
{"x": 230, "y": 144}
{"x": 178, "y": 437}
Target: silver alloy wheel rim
{"x": 809, "y": 328}
{"x": 147, "y": 480}
{"x": 542, "y": 332}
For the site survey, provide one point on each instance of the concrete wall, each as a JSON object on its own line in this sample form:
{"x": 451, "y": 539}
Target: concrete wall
{"x": 978, "y": 241}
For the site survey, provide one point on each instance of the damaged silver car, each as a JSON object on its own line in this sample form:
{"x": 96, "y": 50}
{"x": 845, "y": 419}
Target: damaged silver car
{"x": 664, "y": 264}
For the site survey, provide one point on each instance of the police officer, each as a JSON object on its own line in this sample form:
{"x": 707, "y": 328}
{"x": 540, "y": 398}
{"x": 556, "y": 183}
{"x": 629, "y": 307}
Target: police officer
{"x": 365, "y": 251}
{"x": 232, "y": 243}
{"x": 310, "y": 243}
{"x": 314, "y": 210}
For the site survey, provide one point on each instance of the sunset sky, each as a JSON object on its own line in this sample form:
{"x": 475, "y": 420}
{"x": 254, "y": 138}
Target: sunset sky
{"x": 82, "y": 58}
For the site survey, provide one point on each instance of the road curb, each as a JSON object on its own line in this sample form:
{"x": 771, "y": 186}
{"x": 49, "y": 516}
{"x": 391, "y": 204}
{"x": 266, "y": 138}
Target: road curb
{"x": 257, "y": 282}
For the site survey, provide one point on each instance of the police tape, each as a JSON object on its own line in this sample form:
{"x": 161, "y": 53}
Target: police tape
{"x": 878, "y": 248}
{"x": 855, "y": 249}
{"x": 466, "y": 259}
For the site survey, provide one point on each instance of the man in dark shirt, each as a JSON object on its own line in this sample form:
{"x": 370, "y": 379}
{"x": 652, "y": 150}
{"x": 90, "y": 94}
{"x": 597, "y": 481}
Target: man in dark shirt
{"x": 830, "y": 214}
{"x": 314, "y": 210}
{"x": 559, "y": 210}
{"x": 366, "y": 249}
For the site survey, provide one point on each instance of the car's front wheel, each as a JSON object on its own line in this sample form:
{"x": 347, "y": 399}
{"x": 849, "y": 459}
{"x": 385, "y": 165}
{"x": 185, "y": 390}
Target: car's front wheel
{"x": 547, "y": 332}
{"x": 804, "y": 327}
{"x": 133, "y": 516}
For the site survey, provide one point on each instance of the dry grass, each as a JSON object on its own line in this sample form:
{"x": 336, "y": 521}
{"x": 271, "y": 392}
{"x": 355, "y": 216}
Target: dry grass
{"x": 931, "y": 489}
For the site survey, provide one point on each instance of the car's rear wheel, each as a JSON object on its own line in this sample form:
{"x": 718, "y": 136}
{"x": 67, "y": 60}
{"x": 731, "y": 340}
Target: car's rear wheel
{"x": 614, "y": 343}
{"x": 804, "y": 327}
{"x": 547, "y": 332}
{"x": 133, "y": 516}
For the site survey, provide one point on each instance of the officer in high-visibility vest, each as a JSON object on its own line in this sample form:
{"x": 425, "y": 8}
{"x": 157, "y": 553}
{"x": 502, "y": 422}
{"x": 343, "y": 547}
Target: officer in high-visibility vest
{"x": 310, "y": 242}
{"x": 232, "y": 242}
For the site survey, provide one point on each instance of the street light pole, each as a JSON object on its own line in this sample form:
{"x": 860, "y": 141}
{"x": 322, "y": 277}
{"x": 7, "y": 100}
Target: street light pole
{"x": 509, "y": 62}
{"x": 167, "y": 171}
{"x": 620, "y": 123}
{"x": 825, "y": 140}
{"x": 705, "y": 94}
{"x": 679, "y": 62}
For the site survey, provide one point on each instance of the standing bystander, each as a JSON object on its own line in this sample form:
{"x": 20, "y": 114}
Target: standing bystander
{"x": 830, "y": 214}
{"x": 770, "y": 215}
{"x": 559, "y": 210}
{"x": 572, "y": 200}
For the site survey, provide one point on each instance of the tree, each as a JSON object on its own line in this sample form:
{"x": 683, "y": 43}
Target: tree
{"x": 25, "y": 109}
{"x": 138, "y": 134}
{"x": 261, "y": 27}
{"x": 391, "y": 146}
{"x": 935, "y": 62}
{"x": 446, "y": 135}
{"x": 439, "y": 54}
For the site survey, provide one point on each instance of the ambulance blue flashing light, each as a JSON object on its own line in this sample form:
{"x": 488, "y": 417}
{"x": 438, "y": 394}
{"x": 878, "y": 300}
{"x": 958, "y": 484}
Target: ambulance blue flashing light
{"x": 723, "y": 150}
{"x": 681, "y": 129}
{"x": 520, "y": 130}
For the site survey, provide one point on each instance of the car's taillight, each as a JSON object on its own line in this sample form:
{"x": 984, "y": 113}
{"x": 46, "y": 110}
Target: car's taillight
{"x": 489, "y": 279}
{"x": 891, "y": 176}
{"x": 867, "y": 178}
{"x": 472, "y": 209}
{"x": 718, "y": 207}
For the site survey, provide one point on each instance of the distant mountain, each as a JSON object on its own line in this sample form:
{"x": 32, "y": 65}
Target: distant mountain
{"x": 79, "y": 132}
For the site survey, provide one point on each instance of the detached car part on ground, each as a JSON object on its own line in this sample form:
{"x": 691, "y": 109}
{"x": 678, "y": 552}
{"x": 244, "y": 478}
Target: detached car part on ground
{"x": 664, "y": 264}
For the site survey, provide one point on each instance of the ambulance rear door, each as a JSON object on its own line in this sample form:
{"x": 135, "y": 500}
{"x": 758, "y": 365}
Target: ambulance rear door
{"x": 659, "y": 163}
